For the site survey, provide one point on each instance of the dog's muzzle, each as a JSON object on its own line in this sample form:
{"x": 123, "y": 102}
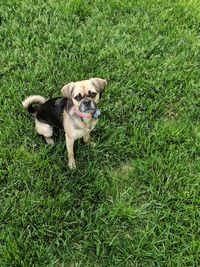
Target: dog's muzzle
{"x": 87, "y": 105}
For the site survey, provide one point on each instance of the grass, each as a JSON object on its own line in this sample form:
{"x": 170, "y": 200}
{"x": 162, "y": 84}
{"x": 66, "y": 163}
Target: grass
{"x": 133, "y": 199}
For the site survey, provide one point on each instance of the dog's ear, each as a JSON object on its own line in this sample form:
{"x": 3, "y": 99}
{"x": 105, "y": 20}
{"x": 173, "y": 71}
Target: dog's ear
{"x": 99, "y": 83}
{"x": 67, "y": 90}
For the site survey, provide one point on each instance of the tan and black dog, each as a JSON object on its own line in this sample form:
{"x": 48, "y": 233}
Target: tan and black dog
{"x": 74, "y": 113}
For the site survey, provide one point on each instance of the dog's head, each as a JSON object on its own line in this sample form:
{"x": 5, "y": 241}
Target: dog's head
{"x": 85, "y": 94}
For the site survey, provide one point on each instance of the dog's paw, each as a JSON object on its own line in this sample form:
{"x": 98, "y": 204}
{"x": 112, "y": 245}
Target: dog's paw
{"x": 72, "y": 164}
{"x": 49, "y": 140}
{"x": 92, "y": 144}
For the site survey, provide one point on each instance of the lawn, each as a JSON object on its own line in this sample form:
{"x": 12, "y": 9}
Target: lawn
{"x": 134, "y": 199}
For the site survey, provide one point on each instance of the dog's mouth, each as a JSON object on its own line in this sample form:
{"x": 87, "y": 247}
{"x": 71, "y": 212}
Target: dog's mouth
{"x": 88, "y": 110}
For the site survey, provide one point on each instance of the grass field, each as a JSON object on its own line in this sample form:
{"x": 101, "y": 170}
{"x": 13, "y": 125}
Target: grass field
{"x": 133, "y": 199}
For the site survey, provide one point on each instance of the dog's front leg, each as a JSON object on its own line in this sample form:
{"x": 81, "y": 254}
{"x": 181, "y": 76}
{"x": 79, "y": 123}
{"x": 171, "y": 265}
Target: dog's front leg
{"x": 70, "y": 150}
{"x": 86, "y": 138}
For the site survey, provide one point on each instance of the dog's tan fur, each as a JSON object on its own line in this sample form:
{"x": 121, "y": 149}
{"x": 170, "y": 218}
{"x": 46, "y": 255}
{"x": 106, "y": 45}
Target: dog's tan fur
{"x": 80, "y": 128}
{"x": 74, "y": 128}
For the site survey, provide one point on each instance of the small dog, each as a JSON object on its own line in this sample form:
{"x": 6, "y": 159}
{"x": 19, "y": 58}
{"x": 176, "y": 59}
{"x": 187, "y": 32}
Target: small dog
{"x": 75, "y": 112}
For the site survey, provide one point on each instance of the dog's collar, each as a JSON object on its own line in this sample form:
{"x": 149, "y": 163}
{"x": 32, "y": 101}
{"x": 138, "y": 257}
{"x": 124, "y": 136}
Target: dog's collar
{"x": 80, "y": 114}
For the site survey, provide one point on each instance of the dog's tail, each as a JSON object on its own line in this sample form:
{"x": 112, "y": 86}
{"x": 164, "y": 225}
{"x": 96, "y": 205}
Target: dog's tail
{"x": 33, "y": 99}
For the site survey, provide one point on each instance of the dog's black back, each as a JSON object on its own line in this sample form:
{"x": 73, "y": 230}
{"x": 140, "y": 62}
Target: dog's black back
{"x": 51, "y": 111}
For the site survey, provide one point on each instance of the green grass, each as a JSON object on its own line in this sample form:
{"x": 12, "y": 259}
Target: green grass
{"x": 133, "y": 199}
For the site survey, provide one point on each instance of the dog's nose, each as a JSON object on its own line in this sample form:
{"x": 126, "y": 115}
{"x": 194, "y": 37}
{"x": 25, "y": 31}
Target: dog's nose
{"x": 87, "y": 102}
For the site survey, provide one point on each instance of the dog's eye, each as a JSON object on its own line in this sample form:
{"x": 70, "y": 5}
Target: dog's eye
{"x": 92, "y": 94}
{"x": 78, "y": 97}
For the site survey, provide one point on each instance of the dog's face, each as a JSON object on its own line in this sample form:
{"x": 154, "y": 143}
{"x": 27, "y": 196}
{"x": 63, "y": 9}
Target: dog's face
{"x": 85, "y": 94}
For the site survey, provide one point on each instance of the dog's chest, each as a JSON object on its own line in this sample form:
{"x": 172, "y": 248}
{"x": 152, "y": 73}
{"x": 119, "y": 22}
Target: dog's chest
{"x": 83, "y": 128}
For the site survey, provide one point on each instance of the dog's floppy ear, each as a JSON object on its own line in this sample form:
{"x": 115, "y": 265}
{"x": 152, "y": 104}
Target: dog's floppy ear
{"x": 99, "y": 83}
{"x": 67, "y": 90}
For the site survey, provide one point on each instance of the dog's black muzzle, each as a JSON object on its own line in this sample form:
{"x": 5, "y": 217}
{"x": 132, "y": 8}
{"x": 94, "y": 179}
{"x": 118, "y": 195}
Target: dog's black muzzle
{"x": 87, "y": 105}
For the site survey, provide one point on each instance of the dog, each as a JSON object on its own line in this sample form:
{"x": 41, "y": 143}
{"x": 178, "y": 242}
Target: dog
{"x": 74, "y": 112}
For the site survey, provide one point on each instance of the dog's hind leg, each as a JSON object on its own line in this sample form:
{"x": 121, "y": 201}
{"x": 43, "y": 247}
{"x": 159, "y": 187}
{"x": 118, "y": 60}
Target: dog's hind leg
{"x": 46, "y": 130}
